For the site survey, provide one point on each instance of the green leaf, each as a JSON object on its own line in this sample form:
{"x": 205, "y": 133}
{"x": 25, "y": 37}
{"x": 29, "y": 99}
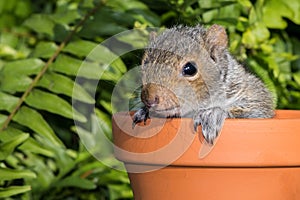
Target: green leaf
{"x": 34, "y": 120}
{"x": 8, "y": 102}
{"x": 54, "y": 104}
{"x": 145, "y": 17}
{"x": 62, "y": 158}
{"x": 2, "y": 119}
{"x": 8, "y": 147}
{"x": 9, "y": 133}
{"x": 35, "y": 147}
{"x": 255, "y": 35}
{"x": 64, "y": 15}
{"x": 11, "y": 174}
{"x": 127, "y": 5}
{"x": 41, "y": 23}
{"x": 80, "y": 48}
{"x": 119, "y": 191}
{"x": 74, "y": 181}
{"x": 111, "y": 22}
{"x": 7, "y": 51}
{"x": 105, "y": 57}
{"x": 95, "y": 167}
{"x": 136, "y": 37}
{"x": 245, "y": 3}
{"x": 296, "y": 77}
{"x": 70, "y": 66}
{"x": 114, "y": 176}
{"x": 9, "y": 39}
{"x": 249, "y": 39}
{"x": 261, "y": 32}
{"x": 111, "y": 67}
{"x": 23, "y": 9}
{"x": 14, "y": 83}
{"x": 63, "y": 85}
{"x": 23, "y": 67}
{"x": 14, "y": 75}
{"x": 13, "y": 190}
{"x": 43, "y": 170}
{"x": 274, "y": 13}
{"x": 66, "y": 64}
{"x": 100, "y": 63}
{"x": 44, "y": 49}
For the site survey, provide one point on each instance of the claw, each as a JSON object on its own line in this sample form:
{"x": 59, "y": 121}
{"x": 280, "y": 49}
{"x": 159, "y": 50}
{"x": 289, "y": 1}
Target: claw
{"x": 211, "y": 120}
{"x": 140, "y": 115}
{"x": 196, "y": 127}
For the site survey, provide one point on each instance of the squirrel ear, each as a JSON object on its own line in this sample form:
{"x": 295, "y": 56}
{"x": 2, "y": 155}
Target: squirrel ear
{"x": 216, "y": 40}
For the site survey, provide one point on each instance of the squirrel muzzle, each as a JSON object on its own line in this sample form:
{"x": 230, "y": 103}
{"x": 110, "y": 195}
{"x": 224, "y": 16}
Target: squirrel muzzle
{"x": 160, "y": 100}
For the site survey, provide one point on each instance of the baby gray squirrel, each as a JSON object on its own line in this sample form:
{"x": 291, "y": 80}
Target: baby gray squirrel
{"x": 189, "y": 72}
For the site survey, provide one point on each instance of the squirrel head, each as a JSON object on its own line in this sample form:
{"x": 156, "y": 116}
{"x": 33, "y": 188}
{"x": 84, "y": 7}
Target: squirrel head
{"x": 181, "y": 69}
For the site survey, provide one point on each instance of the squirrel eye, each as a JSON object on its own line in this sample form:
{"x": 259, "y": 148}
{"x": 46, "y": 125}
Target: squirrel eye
{"x": 189, "y": 69}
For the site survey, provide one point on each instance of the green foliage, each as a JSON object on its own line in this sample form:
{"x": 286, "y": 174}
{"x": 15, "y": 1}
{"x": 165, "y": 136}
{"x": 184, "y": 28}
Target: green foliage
{"x": 42, "y": 51}
{"x": 42, "y": 47}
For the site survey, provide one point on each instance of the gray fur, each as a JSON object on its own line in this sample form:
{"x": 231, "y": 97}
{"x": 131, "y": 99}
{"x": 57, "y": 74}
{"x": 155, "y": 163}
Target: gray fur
{"x": 221, "y": 89}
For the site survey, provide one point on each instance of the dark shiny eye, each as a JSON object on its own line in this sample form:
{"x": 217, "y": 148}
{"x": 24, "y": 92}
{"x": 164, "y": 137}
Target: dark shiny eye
{"x": 189, "y": 69}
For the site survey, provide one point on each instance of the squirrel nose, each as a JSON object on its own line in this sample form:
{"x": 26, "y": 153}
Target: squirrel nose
{"x": 152, "y": 101}
{"x": 149, "y": 95}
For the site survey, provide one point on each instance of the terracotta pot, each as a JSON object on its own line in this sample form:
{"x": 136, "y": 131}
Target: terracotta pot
{"x": 252, "y": 159}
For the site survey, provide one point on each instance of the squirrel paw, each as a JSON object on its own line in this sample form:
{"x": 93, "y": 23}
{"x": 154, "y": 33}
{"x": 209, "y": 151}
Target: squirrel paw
{"x": 211, "y": 120}
{"x": 140, "y": 115}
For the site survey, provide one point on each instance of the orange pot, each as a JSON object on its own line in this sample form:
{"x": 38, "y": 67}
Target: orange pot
{"x": 252, "y": 159}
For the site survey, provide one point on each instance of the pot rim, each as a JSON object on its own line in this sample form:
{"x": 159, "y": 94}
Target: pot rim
{"x": 271, "y": 142}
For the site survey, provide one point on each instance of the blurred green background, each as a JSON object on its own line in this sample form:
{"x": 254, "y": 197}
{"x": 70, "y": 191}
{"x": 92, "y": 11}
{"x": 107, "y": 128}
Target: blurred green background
{"x": 42, "y": 45}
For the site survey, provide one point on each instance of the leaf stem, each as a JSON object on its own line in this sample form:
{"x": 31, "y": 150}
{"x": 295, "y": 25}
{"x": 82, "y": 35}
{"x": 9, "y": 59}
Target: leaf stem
{"x": 46, "y": 66}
